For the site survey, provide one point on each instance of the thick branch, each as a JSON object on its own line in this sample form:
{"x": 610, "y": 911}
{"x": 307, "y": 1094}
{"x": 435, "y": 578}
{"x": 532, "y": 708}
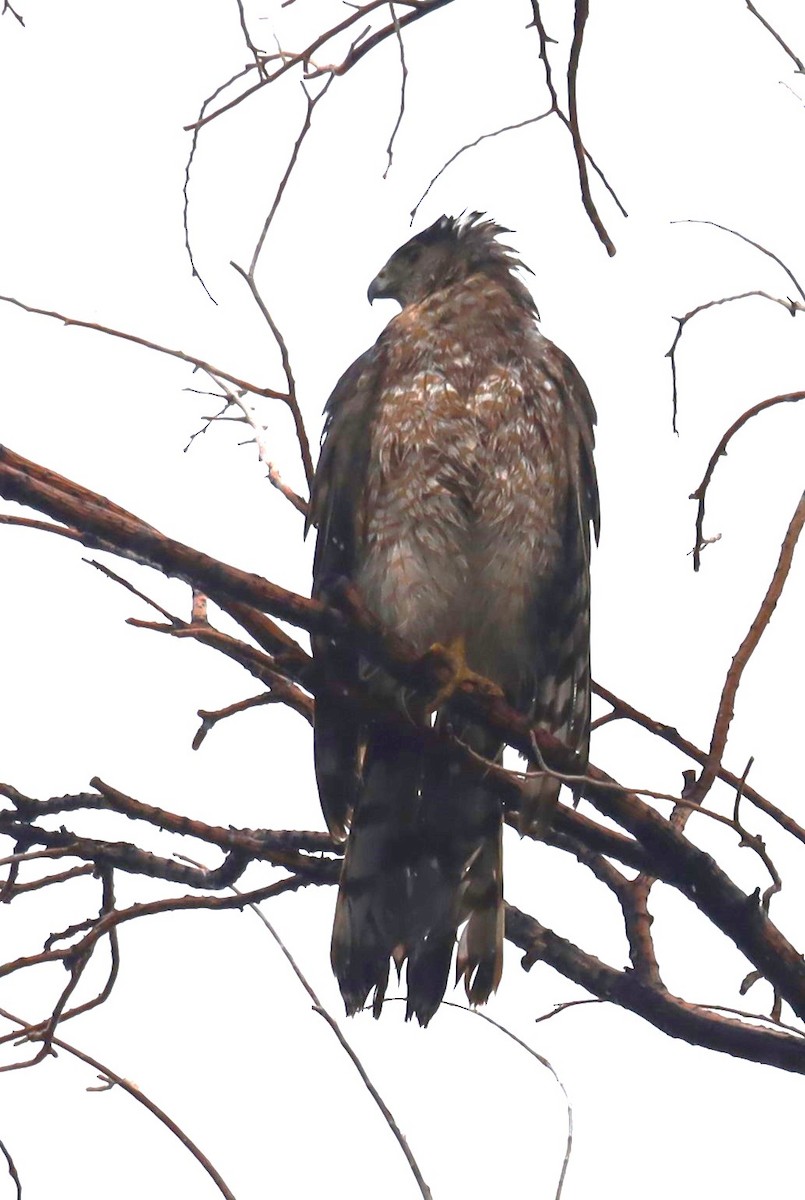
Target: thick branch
{"x": 676, "y": 1017}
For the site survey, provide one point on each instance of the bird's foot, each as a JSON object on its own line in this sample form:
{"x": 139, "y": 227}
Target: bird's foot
{"x": 450, "y": 670}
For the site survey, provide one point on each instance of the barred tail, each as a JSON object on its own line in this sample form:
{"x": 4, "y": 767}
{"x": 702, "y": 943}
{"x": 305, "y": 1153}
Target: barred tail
{"x": 423, "y": 856}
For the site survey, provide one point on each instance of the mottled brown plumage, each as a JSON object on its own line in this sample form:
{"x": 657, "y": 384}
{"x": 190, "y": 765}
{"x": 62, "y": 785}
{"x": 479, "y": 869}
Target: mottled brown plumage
{"x": 456, "y": 489}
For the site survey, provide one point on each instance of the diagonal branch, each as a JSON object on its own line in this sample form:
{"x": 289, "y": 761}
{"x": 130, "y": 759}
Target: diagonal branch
{"x": 669, "y": 733}
{"x": 669, "y": 1013}
{"x": 726, "y": 707}
{"x": 109, "y": 1078}
{"x": 719, "y": 452}
{"x": 199, "y": 363}
{"x": 798, "y": 61}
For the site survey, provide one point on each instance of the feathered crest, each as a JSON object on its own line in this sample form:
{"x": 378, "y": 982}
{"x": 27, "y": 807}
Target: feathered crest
{"x": 446, "y": 253}
{"x": 476, "y": 235}
{"x": 472, "y": 239}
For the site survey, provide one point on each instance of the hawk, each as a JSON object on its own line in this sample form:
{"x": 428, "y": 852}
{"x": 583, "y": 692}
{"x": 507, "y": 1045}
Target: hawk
{"x": 456, "y": 490}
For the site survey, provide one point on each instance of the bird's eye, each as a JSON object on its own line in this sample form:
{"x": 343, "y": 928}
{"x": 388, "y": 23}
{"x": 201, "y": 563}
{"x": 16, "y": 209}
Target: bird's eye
{"x": 410, "y": 253}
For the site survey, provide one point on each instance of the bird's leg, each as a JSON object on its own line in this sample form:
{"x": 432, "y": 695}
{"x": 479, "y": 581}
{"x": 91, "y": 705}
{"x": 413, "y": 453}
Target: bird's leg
{"x": 452, "y": 672}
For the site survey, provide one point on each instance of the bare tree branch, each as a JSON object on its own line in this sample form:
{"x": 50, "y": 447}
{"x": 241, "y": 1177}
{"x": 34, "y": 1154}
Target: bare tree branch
{"x": 199, "y": 363}
{"x": 110, "y": 1078}
{"x": 719, "y": 452}
{"x": 667, "y": 1012}
{"x": 321, "y": 1011}
{"x": 745, "y": 651}
{"x": 797, "y": 61}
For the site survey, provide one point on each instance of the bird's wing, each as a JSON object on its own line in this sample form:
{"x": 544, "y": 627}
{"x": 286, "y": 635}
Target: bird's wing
{"x": 335, "y": 510}
{"x": 560, "y": 699}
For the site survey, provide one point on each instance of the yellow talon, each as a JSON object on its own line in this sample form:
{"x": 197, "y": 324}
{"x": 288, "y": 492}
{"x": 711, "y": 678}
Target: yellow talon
{"x": 452, "y": 671}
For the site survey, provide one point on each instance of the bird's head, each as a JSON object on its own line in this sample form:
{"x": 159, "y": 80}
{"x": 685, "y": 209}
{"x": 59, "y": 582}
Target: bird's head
{"x": 448, "y": 251}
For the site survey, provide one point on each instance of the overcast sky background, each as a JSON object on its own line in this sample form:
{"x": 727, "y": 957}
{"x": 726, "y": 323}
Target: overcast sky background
{"x": 682, "y": 105}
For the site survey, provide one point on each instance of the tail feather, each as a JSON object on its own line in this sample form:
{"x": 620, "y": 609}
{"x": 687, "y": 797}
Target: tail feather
{"x": 479, "y": 961}
{"x": 369, "y": 924}
{"x": 423, "y": 856}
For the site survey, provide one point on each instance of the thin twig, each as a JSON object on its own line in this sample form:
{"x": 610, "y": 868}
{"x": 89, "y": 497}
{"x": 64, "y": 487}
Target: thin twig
{"x": 476, "y": 1012}
{"x": 199, "y": 363}
{"x": 192, "y": 154}
{"x": 311, "y": 102}
{"x": 756, "y": 245}
{"x": 670, "y": 734}
{"x": 566, "y": 1004}
{"x": 791, "y": 306}
{"x": 257, "y": 55}
{"x": 108, "y": 1075}
{"x": 210, "y": 719}
{"x": 403, "y": 82}
{"x": 290, "y": 397}
{"x": 721, "y": 450}
{"x": 471, "y": 146}
{"x": 319, "y": 1008}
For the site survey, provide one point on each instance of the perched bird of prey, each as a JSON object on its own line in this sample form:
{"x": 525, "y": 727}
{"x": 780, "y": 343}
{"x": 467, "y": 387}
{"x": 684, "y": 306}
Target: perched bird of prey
{"x": 455, "y": 490}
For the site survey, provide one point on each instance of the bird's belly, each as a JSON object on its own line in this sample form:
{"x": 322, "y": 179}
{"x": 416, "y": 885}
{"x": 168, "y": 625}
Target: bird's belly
{"x": 460, "y": 521}
{"x": 436, "y": 567}
{"x": 415, "y": 569}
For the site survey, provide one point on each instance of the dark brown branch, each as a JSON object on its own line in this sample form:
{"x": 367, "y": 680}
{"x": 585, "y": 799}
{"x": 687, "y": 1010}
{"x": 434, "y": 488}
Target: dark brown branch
{"x": 570, "y": 122}
{"x": 721, "y": 451}
{"x": 669, "y": 733}
{"x": 110, "y": 1077}
{"x": 311, "y": 102}
{"x": 797, "y": 61}
{"x": 265, "y": 844}
{"x": 209, "y": 719}
{"x": 579, "y": 22}
{"x": 755, "y": 245}
{"x": 199, "y": 363}
{"x": 668, "y": 854}
{"x": 359, "y": 48}
{"x": 702, "y": 881}
{"x": 12, "y": 1169}
{"x": 59, "y": 1015}
{"x": 632, "y": 895}
{"x": 325, "y": 875}
{"x": 8, "y": 8}
{"x": 579, "y": 835}
{"x": 36, "y": 885}
{"x": 745, "y": 651}
{"x": 257, "y": 55}
{"x": 791, "y": 306}
{"x": 291, "y": 398}
{"x": 25, "y": 483}
{"x": 665, "y": 1011}
{"x": 257, "y": 664}
{"x": 261, "y": 666}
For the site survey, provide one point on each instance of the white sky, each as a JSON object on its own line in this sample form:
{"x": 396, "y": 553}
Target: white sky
{"x": 682, "y": 106}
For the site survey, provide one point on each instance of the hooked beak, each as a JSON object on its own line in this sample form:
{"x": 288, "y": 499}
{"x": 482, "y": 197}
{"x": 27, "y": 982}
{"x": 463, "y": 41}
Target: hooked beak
{"x": 379, "y": 288}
